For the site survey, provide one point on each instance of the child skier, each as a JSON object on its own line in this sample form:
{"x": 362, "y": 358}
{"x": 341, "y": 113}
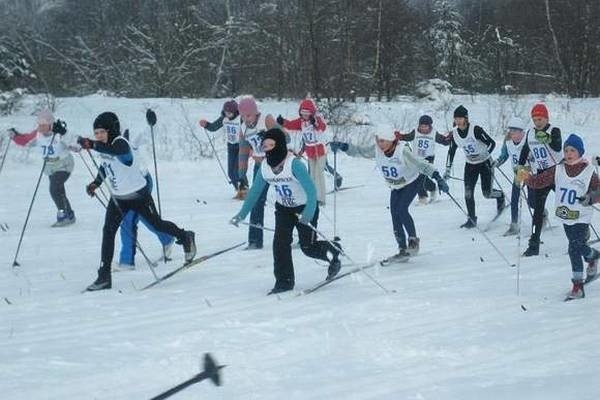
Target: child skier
{"x": 312, "y": 128}
{"x": 478, "y": 147}
{"x": 404, "y": 173}
{"x": 230, "y": 122}
{"x": 296, "y": 194}
{"x": 130, "y": 220}
{"x": 576, "y": 183}
{"x": 423, "y": 143}
{"x": 129, "y": 191}
{"x": 50, "y": 137}
{"x": 254, "y": 125}
{"x": 542, "y": 143}
{"x": 511, "y": 150}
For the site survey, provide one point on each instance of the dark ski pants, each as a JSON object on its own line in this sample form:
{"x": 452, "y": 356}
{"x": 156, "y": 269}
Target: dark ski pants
{"x": 144, "y": 206}
{"x": 428, "y": 184}
{"x": 57, "y": 190}
{"x": 285, "y": 221}
{"x": 515, "y": 194}
{"x": 539, "y": 203}
{"x": 257, "y": 215}
{"x": 233, "y": 153}
{"x": 402, "y": 221}
{"x": 129, "y": 232}
{"x": 578, "y": 249}
{"x": 471, "y": 175}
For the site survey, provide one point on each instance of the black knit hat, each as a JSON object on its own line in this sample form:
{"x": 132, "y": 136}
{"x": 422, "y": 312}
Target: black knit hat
{"x": 425, "y": 120}
{"x": 279, "y": 152}
{"x": 461, "y": 112}
{"x": 110, "y": 122}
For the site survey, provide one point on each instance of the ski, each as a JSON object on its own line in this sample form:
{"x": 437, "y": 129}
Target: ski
{"x": 326, "y": 282}
{"x": 344, "y": 188}
{"x": 190, "y": 264}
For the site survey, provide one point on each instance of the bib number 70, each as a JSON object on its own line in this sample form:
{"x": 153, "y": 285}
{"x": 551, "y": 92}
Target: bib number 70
{"x": 568, "y": 196}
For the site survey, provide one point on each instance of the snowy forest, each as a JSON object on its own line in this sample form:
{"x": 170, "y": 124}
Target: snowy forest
{"x": 285, "y": 48}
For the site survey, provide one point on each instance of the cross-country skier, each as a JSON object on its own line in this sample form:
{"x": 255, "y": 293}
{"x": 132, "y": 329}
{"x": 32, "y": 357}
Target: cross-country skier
{"x": 230, "y": 122}
{"x": 254, "y": 125}
{"x": 511, "y": 150}
{"x": 404, "y": 173}
{"x": 312, "y": 127}
{"x": 542, "y": 143}
{"x": 423, "y": 140}
{"x": 478, "y": 147}
{"x": 129, "y": 190}
{"x": 129, "y": 224}
{"x": 55, "y": 145}
{"x": 577, "y": 186}
{"x": 296, "y": 194}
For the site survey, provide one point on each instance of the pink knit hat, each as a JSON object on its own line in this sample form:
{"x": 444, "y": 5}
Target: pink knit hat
{"x": 247, "y": 105}
{"x": 45, "y": 117}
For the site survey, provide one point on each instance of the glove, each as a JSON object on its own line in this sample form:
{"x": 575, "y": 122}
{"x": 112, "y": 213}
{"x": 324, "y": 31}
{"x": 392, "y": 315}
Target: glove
{"x": 523, "y": 173}
{"x": 150, "y": 117}
{"x": 313, "y": 121}
{"x": 280, "y": 120}
{"x": 447, "y": 173}
{"x": 442, "y": 185}
{"x": 596, "y": 161}
{"x": 203, "y": 123}
{"x": 12, "y": 132}
{"x": 335, "y": 146}
{"x": 59, "y": 127}
{"x": 304, "y": 220}
{"x": 586, "y": 200}
{"x": 91, "y": 189}
{"x": 235, "y": 221}
{"x": 85, "y": 143}
{"x": 543, "y": 137}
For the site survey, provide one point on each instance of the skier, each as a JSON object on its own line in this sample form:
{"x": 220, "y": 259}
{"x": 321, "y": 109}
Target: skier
{"x": 423, "y": 147}
{"x": 254, "y": 125}
{"x": 577, "y": 186}
{"x": 296, "y": 194}
{"x": 542, "y": 142}
{"x": 404, "y": 173}
{"x": 129, "y": 191}
{"x": 511, "y": 150}
{"x": 55, "y": 145}
{"x": 312, "y": 128}
{"x": 478, "y": 147}
{"x": 131, "y": 218}
{"x": 230, "y": 122}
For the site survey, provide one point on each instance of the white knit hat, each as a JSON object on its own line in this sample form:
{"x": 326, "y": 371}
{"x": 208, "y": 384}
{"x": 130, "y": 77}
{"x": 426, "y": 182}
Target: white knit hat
{"x": 45, "y": 117}
{"x": 386, "y": 134}
{"x": 515, "y": 123}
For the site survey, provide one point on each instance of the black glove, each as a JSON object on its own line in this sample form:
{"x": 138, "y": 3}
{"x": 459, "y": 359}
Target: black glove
{"x": 442, "y": 185}
{"x": 12, "y": 132}
{"x": 91, "y": 188}
{"x": 85, "y": 143}
{"x": 313, "y": 121}
{"x": 59, "y": 127}
{"x": 335, "y": 146}
{"x": 280, "y": 120}
{"x": 150, "y": 117}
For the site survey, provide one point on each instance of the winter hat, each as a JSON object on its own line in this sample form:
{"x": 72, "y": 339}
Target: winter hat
{"x": 515, "y": 123}
{"x": 425, "y": 120}
{"x": 575, "y": 141}
{"x": 307, "y": 106}
{"x": 278, "y": 153}
{"x": 461, "y": 112}
{"x": 230, "y": 107}
{"x": 539, "y": 110}
{"x": 45, "y": 117}
{"x": 247, "y": 105}
{"x": 108, "y": 121}
{"x": 387, "y": 134}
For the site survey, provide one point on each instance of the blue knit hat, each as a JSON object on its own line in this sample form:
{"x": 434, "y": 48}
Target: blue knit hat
{"x": 425, "y": 120}
{"x": 575, "y": 141}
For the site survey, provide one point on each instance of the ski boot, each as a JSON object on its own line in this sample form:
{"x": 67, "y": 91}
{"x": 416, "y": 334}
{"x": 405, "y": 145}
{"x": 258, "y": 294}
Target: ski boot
{"x": 123, "y": 267}
{"x": 103, "y": 281}
{"x": 64, "y": 218}
{"x": 577, "y": 291}
{"x": 413, "y": 246}
{"x": 592, "y": 267}
{"x": 533, "y": 249}
{"x": 401, "y": 257}
{"x": 253, "y": 246}
{"x": 513, "y": 229}
{"x": 334, "y": 264}
{"x": 189, "y": 246}
{"x": 282, "y": 286}
{"x": 470, "y": 224}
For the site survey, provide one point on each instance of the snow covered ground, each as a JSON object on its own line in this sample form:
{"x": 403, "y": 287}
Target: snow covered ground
{"x": 454, "y": 329}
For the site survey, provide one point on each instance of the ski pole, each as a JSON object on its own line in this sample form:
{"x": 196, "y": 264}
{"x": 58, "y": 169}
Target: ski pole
{"x": 217, "y": 156}
{"x": 335, "y": 189}
{"x": 87, "y": 166}
{"x": 520, "y": 213}
{"x": 521, "y": 189}
{"x": 456, "y": 179}
{"x": 342, "y": 252}
{"x": 480, "y": 231}
{"x": 114, "y": 201}
{"x": 4, "y": 155}
{"x": 264, "y": 228}
{"x": 211, "y": 371}
{"x": 37, "y": 186}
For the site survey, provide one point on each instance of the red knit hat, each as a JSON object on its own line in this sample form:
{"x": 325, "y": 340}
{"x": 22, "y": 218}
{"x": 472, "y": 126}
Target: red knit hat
{"x": 539, "y": 110}
{"x": 307, "y": 105}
